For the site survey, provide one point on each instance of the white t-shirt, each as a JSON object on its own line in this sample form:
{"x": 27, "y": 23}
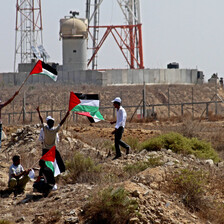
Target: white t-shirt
{"x": 49, "y": 136}
{"x": 121, "y": 118}
{"x": 15, "y": 170}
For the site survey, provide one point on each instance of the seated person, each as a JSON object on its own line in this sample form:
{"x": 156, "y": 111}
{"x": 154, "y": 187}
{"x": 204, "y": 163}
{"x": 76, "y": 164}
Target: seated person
{"x": 45, "y": 181}
{"x": 18, "y": 177}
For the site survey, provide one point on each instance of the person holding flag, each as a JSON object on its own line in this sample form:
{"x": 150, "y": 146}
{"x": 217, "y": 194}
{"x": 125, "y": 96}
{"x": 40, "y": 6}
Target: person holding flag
{"x": 48, "y": 136}
{"x": 45, "y": 181}
{"x": 2, "y": 105}
{"x": 119, "y": 128}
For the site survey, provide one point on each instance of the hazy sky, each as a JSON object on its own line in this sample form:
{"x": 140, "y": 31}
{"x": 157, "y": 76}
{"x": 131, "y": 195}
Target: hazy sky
{"x": 189, "y": 32}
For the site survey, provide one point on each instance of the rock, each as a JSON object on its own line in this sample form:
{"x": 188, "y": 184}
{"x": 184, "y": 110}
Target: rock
{"x": 72, "y": 212}
{"x": 18, "y": 131}
{"x": 210, "y": 162}
{"x": 221, "y": 164}
{"x": 143, "y": 152}
{"x": 134, "y": 220}
{"x": 192, "y": 156}
{"x": 135, "y": 194}
{"x": 22, "y": 219}
{"x": 170, "y": 163}
{"x": 72, "y": 220}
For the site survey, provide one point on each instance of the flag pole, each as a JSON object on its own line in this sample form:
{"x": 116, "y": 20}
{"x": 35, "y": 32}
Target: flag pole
{"x": 23, "y": 82}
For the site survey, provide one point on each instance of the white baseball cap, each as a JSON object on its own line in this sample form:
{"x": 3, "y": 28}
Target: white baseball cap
{"x": 117, "y": 99}
{"x": 49, "y": 118}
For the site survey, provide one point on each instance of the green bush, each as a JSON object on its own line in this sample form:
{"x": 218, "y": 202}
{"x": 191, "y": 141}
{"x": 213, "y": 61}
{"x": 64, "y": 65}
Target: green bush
{"x": 111, "y": 205}
{"x": 190, "y": 185}
{"x": 204, "y": 150}
{"x": 139, "y": 166}
{"x": 81, "y": 169}
{"x": 153, "y": 144}
{"x": 180, "y": 144}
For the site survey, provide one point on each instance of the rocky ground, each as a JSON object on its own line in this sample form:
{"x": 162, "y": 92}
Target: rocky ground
{"x": 65, "y": 205}
{"x": 149, "y": 187}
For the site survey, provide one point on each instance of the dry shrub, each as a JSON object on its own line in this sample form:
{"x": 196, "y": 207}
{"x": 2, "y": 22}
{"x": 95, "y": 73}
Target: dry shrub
{"x": 190, "y": 128}
{"x": 110, "y": 205}
{"x": 2, "y": 183}
{"x": 214, "y": 212}
{"x": 213, "y": 209}
{"x": 53, "y": 217}
{"x": 133, "y": 143}
{"x": 50, "y": 218}
{"x": 82, "y": 169}
{"x": 214, "y": 117}
{"x": 200, "y": 192}
{"x": 190, "y": 186}
{"x": 3, "y": 221}
{"x": 217, "y": 139}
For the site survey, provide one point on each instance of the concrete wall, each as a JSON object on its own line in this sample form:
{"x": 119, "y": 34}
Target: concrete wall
{"x": 109, "y": 77}
{"x": 157, "y": 76}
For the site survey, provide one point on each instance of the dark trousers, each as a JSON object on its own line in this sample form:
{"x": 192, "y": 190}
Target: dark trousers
{"x": 118, "y": 142}
{"x": 43, "y": 187}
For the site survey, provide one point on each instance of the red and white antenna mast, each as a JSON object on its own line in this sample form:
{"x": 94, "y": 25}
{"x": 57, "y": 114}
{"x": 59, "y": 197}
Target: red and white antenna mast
{"x": 127, "y": 36}
{"x": 28, "y": 30}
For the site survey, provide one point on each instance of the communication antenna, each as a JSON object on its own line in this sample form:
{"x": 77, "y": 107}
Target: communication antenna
{"x": 43, "y": 53}
{"x": 28, "y": 30}
{"x": 36, "y": 54}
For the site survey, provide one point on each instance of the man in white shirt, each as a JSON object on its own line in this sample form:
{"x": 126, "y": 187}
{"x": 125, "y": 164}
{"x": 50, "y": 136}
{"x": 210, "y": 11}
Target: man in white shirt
{"x": 119, "y": 127}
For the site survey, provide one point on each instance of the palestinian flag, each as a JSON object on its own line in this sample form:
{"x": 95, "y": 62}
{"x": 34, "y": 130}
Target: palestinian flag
{"x": 54, "y": 161}
{"x": 86, "y": 105}
{"x": 41, "y": 68}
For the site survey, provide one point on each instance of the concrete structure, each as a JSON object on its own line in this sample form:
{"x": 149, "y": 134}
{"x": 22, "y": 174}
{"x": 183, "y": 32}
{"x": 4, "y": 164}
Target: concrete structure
{"x": 74, "y": 33}
{"x": 109, "y": 77}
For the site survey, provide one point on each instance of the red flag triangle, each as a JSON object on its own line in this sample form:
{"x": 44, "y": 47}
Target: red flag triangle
{"x": 50, "y": 155}
{"x": 74, "y": 101}
{"x": 37, "y": 68}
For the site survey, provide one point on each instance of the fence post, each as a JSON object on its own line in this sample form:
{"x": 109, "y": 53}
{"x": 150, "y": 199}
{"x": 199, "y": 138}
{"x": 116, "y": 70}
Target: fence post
{"x": 216, "y": 93}
{"x": 13, "y": 110}
{"x": 52, "y": 109}
{"x": 153, "y": 109}
{"x": 9, "y": 118}
{"x": 24, "y": 106}
{"x": 169, "y": 102}
{"x": 182, "y": 109}
{"x": 144, "y": 104}
{"x": 207, "y": 110}
{"x": 192, "y": 103}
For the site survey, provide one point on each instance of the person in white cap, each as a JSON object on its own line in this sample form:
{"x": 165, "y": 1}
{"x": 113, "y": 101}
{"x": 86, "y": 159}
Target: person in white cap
{"x": 2, "y": 105}
{"x": 119, "y": 127}
{"x": 49, "y": 133}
